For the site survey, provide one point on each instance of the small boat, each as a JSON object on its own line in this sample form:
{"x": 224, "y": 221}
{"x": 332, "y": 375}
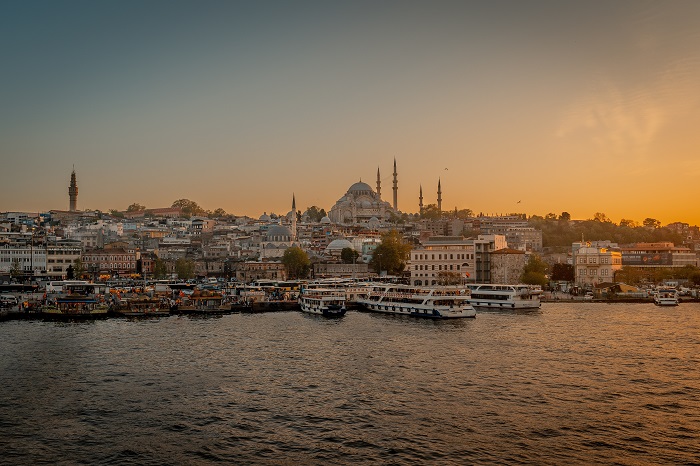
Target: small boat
{"x": 143, "y": 306}
{"x": 417, "y": 301}
{"x": 496, "y": 296}
{"x": 204, "y": 303}
{"x": 666, "y": 297}
{"x": 76, "y": 301}
{"x": 327, "y": 302}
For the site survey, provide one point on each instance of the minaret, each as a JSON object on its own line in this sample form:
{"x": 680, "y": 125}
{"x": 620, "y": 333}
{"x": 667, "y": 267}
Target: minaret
{"x": 73, "y": 192}
{"x": 396, "y": 187}
{"x": 294, "y": 218}
{"x": 439, "y": 198}
{"x": 420, "y": 200}
{"x": 379, "y": 185}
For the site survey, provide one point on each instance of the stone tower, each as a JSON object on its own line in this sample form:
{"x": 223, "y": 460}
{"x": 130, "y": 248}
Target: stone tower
{"x": 420, "y": 200}
{"x": 294, "y": 218}
{"x": 73, "y": 193}
{"x": 439, "y": 199}
{"x": 379, "y": 184}
{"x": 396, "y": 187}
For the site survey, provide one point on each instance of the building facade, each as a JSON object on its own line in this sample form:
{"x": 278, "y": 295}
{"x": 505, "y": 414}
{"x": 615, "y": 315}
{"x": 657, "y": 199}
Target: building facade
{"x": 594, "y": 265}
{"x": 442, "y": 259}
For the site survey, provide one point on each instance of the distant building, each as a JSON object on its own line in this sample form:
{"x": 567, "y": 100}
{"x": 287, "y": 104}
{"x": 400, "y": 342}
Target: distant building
{"x": 248, "y": 271}
{"x": 338, "y": 270}
{"x": 507, "y": 265}
{"x": 360, "y": 205}
{"x": 662, "y": 254}
{"x": 73, "y": 193}
{"x": 594, "y": 265}
{"x": 442, "y": 258}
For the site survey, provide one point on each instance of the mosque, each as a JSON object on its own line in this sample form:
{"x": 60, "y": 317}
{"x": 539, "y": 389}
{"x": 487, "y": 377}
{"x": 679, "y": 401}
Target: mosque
{"x": 362, "y": 205}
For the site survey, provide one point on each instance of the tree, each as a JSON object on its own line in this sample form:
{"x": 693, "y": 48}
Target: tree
{"x": 535, "y": 271}
{"x": 15, "y": 269}
{"x": 315, "y": 214}
{"x": 218, "y": 213}
{"x": 431, "y": 212}
{"x": 391, "y": 254}
{"x": 116, "y": 213}
{"x": 601, "y": 217}
{"x": 70, "y": 273}
{"x": 563, "y": 272}
{"x": 296, "y": 262}
{"x": 349, "y": 255}
{"x": 160, "y": 270}
{"x": 135, "y": 207}
{"x": 446, "y": 278}
{"x": 463, "y": 213}
{"x": 78, "y": 268}
{"x": 565, "y": 216}
{"x": 184, "y": 269}
{"x": 189, "y": 208}
{"x": 651, "y": 223}
{"x": 628, "y": 223}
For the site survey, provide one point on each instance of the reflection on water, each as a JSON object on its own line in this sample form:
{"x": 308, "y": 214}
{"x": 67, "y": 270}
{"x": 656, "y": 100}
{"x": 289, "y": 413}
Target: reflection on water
{"x": 579, "y": 383}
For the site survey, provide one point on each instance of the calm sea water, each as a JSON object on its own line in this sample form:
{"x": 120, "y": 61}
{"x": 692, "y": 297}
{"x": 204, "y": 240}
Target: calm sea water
{"x": 582, "y": 384}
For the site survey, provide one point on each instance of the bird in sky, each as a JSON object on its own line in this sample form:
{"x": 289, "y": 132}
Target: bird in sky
{"x": 518, "y": 202}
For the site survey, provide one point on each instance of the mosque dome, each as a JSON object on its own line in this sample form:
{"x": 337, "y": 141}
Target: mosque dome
{"x": 264, "y": 217}
{"x": 279, "y": 233}
{"x": 360, "y": 188}
{"x": 325, "y": 221}
{"x": 338, "y": 245}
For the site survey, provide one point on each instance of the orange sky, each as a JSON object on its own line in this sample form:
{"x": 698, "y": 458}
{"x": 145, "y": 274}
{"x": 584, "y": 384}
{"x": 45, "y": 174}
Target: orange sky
{"x": 581, "y": 107}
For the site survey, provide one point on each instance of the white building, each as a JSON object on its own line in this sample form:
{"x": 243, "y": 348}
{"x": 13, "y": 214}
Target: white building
{"x": 593, "y": 265}
{"x": 442, "y": 258}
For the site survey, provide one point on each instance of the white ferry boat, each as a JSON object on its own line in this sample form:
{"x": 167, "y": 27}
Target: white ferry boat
{"x": 495, "y": 296}
{"x": 666, "y": 297}
{"x": 433, "y": 303}
{"x": 327, "y": 302}
{"x": 354, "y": 290}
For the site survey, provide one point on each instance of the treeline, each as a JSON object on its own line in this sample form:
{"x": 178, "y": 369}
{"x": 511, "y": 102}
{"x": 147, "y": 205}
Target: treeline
{"x": 561, "y": 231}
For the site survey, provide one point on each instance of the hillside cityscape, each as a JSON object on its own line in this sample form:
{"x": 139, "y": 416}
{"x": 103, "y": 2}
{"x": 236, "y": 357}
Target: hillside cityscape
{"x": 361, "y": 236}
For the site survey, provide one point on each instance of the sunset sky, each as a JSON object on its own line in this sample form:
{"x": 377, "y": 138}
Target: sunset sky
{"x": 584, "y": 107}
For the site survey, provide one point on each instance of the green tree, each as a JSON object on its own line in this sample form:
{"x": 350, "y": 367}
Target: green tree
{"x": 535, "y": 271}
{"x": 189, "y": 208}
{"x": 601, "y": 217}
{"x": 446, "y": 278}
{"x": 116, "y": 213}
{"x": 563, "y": 272}
{"x": 160, "y": 269}
{"x": 315, "y": 214}
{"x": 296, "y": 262}
{"x": 184, "y": 269}
{"x": 391, "y": 254}
{"x": 651, "y": 223}
{"x": 431, "y": 212}
{"x": 135, "y": 207}
{"x": 349, "y": 255}
{"x": 464, "y": 213}
{"x": 78, "y": 268}
{"x": 15, "y": 269}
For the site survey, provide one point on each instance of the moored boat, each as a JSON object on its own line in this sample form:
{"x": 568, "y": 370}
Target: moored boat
{"x": 143, "y": 306}
{"x": 497, "y": 296}
{"x": 327, "y": 302}
{"x": 666, "y": 297}
{"x": 76, "y": 301}
{"x": 416, "y": 301}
